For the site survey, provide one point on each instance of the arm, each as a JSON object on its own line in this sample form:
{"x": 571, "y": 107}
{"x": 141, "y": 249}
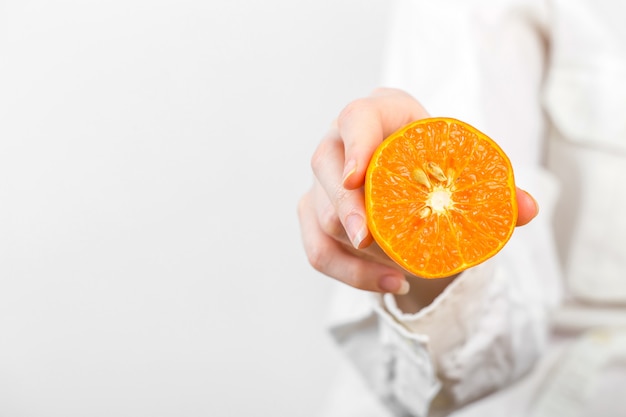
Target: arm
{"x": 401, "y": 356}
{"x": 461, "y": 338}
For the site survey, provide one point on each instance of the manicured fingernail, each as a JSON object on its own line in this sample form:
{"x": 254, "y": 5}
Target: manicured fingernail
{"x": 394, "y": 285}
{"x": 349, "y": 169}
{"x": 356, "y": 228}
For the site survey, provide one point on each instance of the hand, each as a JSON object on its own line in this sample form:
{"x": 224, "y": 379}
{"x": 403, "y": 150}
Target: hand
{"x": 332, "y": 213}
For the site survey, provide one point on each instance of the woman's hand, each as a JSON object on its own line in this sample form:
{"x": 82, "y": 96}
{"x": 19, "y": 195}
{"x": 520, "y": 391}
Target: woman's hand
{"x": 332, "y": 213}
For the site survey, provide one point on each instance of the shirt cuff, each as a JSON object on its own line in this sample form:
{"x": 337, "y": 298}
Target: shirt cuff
{"x": 464, "y": 331}
{"x": 447, "y": 321}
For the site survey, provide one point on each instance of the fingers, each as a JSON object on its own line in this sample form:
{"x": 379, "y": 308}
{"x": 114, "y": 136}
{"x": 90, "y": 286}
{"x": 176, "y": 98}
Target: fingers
{"x": 364, "y": 123}
{"x": 329, "y": 223}
{"x": 360, "y": 126}
{"x": 327, "y": 217}
{"x": 327, "y": 164}
{"x": 341, "y": 160}
{"x": 527, "y": 207}
{"x": 331, "y": 258}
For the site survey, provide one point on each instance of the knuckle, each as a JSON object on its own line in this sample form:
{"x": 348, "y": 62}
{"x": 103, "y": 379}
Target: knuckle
{"x": 320, "y": 155}
{"x": 361, "y": 106}
{"x": 317, "y": 257}
{"x": 330, "y": 223}
{"x": 302, "y": 205}
{"x": 383, "y": 91}
{"x": 316, "y": 160}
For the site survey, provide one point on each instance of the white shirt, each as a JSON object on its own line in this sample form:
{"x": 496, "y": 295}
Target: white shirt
{"x": 547, "y": 81}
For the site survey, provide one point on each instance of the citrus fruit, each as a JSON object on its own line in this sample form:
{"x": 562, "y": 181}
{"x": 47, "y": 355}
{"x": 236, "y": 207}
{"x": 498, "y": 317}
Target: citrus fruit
{"x": 440, "y": 197}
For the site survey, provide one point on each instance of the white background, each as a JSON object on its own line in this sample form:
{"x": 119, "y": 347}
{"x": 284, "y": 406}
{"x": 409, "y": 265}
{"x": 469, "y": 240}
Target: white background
{"x": 151, "y": 157}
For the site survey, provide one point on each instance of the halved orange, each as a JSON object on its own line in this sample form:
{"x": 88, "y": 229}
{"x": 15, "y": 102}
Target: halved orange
{"x": 440, "y": 197}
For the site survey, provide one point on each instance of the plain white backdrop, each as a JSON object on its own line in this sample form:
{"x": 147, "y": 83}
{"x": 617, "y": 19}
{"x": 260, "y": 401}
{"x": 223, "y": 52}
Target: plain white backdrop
{"x": 152, "y": 154}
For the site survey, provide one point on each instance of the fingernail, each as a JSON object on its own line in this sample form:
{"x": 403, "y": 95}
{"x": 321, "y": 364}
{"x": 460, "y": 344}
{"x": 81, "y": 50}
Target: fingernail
{"x": 356, "y": 228}
{"x": 349, "y": 169}
{"x": 394, "y": 285}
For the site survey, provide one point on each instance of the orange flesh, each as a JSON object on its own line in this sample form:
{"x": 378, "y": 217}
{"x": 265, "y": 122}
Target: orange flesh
{"x": 440, "y": 197}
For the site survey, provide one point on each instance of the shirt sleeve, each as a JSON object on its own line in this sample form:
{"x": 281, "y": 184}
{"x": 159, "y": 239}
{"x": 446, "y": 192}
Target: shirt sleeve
{"x": 484, "y": 331}
{"x": 585, "y": 99}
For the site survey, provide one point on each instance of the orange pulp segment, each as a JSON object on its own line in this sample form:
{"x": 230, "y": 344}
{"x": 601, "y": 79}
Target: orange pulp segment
{"x": 440, "y": 197}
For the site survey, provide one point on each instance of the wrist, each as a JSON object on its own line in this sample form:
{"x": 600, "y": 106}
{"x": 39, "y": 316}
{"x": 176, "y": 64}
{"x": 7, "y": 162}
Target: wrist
{"x": 422, "y": 293}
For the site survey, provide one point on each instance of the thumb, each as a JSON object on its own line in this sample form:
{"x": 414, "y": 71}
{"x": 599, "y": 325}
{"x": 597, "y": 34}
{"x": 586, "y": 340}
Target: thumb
{"x": 527, "y": 207}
